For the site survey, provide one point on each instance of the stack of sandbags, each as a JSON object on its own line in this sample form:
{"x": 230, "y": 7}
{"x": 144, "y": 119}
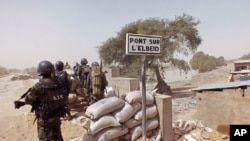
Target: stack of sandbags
{"x": 134, "y": 123}
{"x": 102, "y": 125}
{"x": 113, "y": 118}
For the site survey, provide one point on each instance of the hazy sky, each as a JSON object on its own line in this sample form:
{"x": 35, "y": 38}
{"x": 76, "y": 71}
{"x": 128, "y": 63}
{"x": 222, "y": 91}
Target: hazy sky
{"x": 67, "y": 30}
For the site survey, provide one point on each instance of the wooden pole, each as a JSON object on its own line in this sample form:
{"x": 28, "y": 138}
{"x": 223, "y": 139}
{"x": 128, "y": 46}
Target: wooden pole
{"x": 144, "y": 118}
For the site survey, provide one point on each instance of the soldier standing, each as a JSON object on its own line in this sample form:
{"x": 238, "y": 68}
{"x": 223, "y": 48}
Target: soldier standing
{"x": 48, "y": 100}
{"x": 64, "y": 78}
{"x": 84, "y": 71}
{"x": 96, "y": 83}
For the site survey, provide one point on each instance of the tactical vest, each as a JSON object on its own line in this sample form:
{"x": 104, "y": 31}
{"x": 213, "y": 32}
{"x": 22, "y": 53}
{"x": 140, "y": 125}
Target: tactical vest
{"x": 62, "y": 75}
{"x": 64, "y": 78}
{"x": 55, "y": 99}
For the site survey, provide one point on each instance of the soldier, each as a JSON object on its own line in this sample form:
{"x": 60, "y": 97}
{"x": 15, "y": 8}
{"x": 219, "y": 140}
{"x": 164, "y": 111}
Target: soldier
{"x": 96, "y": 83}
{"x": 66, "y": 66}
{"x": 84, "y": 71}
{"x": 48, "y": 100}
{"x": 64, "y": 78}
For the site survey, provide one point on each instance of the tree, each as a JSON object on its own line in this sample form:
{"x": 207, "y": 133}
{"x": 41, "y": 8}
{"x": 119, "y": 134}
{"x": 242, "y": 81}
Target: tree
{"x": 179, "y": 36}
{"x": 246, "y": 56}
{"x": 204, "y": 62}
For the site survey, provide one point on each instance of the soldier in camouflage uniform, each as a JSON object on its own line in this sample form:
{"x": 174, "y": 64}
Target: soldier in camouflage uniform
{"x": 48, "y": 100}
{"x": 84, "y": 72}
{"x": 96, "y": 83}
{"x": 64, "y": 78}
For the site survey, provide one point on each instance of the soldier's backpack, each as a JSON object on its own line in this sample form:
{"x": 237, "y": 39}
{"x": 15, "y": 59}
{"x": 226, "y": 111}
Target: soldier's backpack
{"x": 96, "y": 80}
{"x": 55, "y": 103}
{"x": 64, "y": 78}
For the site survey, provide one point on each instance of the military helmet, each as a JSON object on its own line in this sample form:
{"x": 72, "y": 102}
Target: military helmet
{"x": 84, "y": 61}
{"x": 45, "y": 68}
{"x": 59, "y": 65}
{"x": 94, "y": 64}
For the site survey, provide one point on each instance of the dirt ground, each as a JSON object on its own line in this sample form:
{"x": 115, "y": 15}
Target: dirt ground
{"x": 17, "y": 124}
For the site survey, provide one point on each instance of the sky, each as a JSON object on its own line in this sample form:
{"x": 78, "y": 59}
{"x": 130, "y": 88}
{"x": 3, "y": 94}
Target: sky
{"x": 68, "y": 30}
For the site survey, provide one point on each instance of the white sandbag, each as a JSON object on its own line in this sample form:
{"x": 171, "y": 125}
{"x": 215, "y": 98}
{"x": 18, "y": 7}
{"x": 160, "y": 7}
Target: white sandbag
{"x": 102, "y": 123}
{"x": 151, "y": 112}
{"x": 111, "y": 133}
{"x": 136, "y": 96}
{"x": 127, "y": 111}
{"x": 132, "y": 123}
{"x": 135, "y": 132}
{"x": 104, "y": 106}
{"x": 151, "y": 124}
{"x": 109, "y": 92}
{"x": 88, "y": 137}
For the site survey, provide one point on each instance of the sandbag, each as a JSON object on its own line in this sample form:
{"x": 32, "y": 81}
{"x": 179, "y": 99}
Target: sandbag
{"x": 151, "y": 112}
{"x": 136, "y": 96}
{"x": 127, "y": 111}
{"x": 111, "y": 133}
{"x": 104, "y": 106}
{"x": 103, "y": 122}
{"x": 151, "y": 124}
{"x": 109, "y": 92}
{"x": 132, "y": 123}
{"x": 135, "y": 132}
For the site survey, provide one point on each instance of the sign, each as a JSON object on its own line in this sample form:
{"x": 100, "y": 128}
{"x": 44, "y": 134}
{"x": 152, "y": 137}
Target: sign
{"x": 139, "y": 44}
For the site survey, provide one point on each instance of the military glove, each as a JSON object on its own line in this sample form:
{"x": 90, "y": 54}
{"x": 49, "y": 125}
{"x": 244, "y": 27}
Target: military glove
{"x": 18, "y": 104}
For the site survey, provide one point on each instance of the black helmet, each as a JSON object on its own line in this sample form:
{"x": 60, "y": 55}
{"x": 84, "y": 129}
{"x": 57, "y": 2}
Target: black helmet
{"x": 84, "y": 61}
{"x": 94, "y": 64}
{"x": 59, "y": 65}
{"x": 45, "y": 68}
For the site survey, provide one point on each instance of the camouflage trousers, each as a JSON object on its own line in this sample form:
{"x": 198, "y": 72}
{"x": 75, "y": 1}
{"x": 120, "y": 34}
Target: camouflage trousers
{"x": 50, "y": 129}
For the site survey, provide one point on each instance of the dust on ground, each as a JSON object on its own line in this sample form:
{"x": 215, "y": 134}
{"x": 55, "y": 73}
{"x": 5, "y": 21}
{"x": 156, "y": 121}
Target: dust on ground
{"x": 17, "y": 124}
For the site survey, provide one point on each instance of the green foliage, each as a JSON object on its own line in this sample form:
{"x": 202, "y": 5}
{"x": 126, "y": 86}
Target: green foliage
{"x": 179, "y": 36}
{"x": 204, "y": 62}
{"x": 246, "y": 56}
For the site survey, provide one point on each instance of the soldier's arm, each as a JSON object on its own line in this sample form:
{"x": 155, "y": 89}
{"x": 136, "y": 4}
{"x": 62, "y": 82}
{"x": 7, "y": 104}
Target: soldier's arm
{"x": 35, "y": 90}
{"x": 105, "y": 82}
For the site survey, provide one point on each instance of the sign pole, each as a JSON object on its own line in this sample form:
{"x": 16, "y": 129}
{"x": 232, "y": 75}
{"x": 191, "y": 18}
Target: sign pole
{"x": 144, "y": 118}
{"x": 139, "y": 44}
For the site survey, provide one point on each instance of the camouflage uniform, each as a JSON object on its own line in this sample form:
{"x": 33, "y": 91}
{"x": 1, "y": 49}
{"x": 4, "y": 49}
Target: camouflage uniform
{"x": 83, "y": 74}
{"x": 95, "y": 96}
{"x": 63, "y": 77}
{"x": 48, "y": 127}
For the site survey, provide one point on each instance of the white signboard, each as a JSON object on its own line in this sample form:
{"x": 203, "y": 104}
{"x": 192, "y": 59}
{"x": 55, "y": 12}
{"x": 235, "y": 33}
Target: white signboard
{"x": 138, "y": 44}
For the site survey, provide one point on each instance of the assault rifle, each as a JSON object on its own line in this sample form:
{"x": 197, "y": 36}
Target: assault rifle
{"x": 18, "y": 103}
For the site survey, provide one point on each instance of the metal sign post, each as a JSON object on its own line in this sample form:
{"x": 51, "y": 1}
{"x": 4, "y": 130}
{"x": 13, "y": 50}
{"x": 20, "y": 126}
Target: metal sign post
{"x": 144, "y": 118}
{"x": 138, "y": 44}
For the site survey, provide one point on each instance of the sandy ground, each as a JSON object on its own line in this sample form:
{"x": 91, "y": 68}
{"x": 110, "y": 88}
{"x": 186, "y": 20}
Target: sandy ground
{"x": 17, "y": 124}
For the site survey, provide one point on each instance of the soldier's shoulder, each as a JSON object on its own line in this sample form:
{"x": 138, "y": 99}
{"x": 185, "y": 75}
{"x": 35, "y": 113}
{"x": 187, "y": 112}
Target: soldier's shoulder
{"x": 37, "y": 86}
